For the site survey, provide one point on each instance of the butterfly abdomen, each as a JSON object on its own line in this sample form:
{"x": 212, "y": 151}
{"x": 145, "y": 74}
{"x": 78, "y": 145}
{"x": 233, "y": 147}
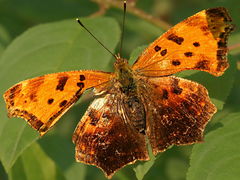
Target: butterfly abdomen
{"x": 135, "y": 112}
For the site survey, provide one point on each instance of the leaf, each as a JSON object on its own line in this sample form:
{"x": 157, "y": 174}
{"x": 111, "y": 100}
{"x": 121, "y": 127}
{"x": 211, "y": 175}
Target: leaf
{"x": 142, "y": 167}
{"x": 18, "y": 16}
{"x": 49, "y": 48}
{"x": 176, "y": 168}
{"x": 61, "y": 149}
{"x": 218, "y": 158}
{"x": 35, "y": 11}
{"x": 3, "y": 174}
{"x": 76, "y": 170}
{"x": 14, "y": 139}
{"x": 135, "y": 53}
{"x": 35, "y": 164}
{"x": 4, "y": 39}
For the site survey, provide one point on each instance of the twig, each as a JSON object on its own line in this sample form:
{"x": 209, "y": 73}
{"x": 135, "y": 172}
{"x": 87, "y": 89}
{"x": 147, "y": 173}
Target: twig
{"x": 102, "y": 9}
{"x": 234, "y": 46}
{"x": 135, "y": 11}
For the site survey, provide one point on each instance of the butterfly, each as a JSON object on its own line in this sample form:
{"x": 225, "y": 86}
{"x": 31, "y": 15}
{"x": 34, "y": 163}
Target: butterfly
{"x": 135, "y": 102}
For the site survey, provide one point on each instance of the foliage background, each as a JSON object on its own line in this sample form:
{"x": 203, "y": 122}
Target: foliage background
{"x": 39, "y": 37}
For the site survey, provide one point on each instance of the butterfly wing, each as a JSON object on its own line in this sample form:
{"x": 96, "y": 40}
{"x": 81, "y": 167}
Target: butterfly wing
{"x": 104, "y": 139}
{"x": 199, "y": 42}
{"x": 177, "y": 111}
{"x": 43, "y": 100}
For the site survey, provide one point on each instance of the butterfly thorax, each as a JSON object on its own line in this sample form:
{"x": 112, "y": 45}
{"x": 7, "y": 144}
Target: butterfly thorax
{"x": 125, "y": 76}
{"x": 132, "y": 103}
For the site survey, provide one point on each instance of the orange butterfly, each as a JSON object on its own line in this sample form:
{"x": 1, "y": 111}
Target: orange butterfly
{"x": 134, "y": 103}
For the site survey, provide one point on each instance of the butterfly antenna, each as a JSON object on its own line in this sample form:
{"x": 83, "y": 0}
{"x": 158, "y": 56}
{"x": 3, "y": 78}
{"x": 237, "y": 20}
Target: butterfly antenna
{"x": 123, "y": 24}
{"x": 81, "y": 24}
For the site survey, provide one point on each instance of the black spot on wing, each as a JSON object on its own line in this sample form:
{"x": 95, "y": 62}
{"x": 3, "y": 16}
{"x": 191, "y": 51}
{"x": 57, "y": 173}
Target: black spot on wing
{"x": 157, "y": 48}
{"x": 61, "y": 83}
{"x": 204, "y": 65}
{"x": 163, "y": 52}
{"x": 188, "y": 54}
{"x": 50, "y": 101}
{"x": 82, "y": 77}
{"x": 80, "y": 84}
{"x": 63, "y": 103}
{"x": 196, "y": 44}
{"x": 175, "y": 88}
{"x": 176, "y": 62}
{"x": 175, "y": 38}
{"x": 165, "y": 94}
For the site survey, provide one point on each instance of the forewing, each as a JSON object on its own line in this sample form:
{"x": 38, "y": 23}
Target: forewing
{"x": 43, "y": 100}
{"x": 177, "y": 112}
{"x": 199, "y": 42}
{"x": 104, "y": 139}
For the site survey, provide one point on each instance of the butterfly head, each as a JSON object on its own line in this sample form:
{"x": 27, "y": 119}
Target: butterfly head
{"x": 123, "y": 71}
{"x": 121, "y": 65}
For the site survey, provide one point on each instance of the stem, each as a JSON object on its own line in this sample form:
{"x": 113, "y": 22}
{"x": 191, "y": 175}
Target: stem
{"x": 234, "y": 46}
{"x": 102, "y": 10}
{"x": 135, "y": 11}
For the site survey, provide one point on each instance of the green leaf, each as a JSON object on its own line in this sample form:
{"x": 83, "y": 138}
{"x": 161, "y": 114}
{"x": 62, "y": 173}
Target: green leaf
{"x": 18, "y": 16}
{"x": 3, "y": 174}
{"x": 49, "y": 48}
{"x": 176, "y": 168}
{"x": 61, "y": 149}
{"x": 76, "y": 170}
{"x": 136, "y": 53}
{"x": 143, "y": 167}
{"x": 4, "y": 39}
{"x": 35, "y": 11}
{"x": 14, "y": 139}
{"x": 218, "y": 157}
{"x": 35, "y": 164}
